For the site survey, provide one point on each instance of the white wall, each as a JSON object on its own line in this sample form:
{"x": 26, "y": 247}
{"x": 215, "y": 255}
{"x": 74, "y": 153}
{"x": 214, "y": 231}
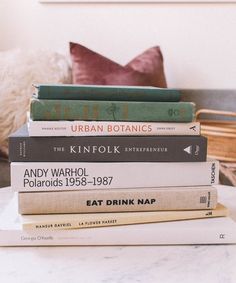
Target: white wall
{"x": 198, "y": 40}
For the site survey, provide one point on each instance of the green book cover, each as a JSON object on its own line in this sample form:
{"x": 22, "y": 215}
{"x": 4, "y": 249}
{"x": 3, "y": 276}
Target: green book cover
{"x": 47, "y": 110}
{"x": 116, "y": 93}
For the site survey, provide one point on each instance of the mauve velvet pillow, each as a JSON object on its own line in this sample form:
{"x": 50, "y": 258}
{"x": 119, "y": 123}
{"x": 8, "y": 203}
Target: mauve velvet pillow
{"x": 89, "y": 67}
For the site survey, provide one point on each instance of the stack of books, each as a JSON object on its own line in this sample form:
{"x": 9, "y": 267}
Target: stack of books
{"x": 94, "y": 156}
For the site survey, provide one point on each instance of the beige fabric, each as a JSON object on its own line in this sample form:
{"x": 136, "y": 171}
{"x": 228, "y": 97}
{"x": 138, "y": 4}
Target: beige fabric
{"x": 18, "y": 71}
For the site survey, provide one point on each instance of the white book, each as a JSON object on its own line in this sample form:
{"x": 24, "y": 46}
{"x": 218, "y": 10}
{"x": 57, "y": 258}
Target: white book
{"x": 60, "y": 176}
{"x": 111, "y": 128}
{"x": 220, "y": 230}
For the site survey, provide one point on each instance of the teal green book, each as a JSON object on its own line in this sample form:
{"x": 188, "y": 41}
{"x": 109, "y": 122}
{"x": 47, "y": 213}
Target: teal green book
{"x": 115, "y": 93}
{"x": 48, "y": 110}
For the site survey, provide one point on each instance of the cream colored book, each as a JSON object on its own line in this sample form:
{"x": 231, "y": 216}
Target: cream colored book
{"x": 118, "y": 200}
{"x": 76, "y": 221}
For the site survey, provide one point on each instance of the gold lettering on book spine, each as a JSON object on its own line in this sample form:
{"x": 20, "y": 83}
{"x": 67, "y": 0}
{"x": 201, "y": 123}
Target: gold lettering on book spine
{"x": 126, "y": 111}
{"x": 182, "y": 112}
{"x": 95, "y": 112}
{"x": 85, "y": 112}
{"x": 47, "y": 115}
{"x": 58, "y": 111}
{"x": 66, "y": 113}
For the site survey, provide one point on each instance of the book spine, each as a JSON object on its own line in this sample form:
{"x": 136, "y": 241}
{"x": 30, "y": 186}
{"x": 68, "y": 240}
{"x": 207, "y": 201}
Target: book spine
{"x": 77, "y": 221}
{"x": 75, "y": 92}
{"x": 47, "y": 110}
{"x": 102, "y": 128}
{"x": 108, "y": 149}
{"x": 53, "y": 176}
{"x": 140, "y": 234}
{"x": 117, "y": 200}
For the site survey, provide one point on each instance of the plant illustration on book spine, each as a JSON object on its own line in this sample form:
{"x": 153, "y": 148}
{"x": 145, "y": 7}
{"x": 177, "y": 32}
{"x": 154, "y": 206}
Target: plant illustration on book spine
{"x": 113, "y": 109}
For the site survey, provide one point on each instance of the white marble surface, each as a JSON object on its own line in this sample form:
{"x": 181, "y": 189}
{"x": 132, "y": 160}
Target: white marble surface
{"x": 165, "y": 264}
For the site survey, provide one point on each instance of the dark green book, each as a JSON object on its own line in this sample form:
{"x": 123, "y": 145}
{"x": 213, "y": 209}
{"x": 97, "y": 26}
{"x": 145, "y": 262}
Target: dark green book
{"x": 116, "y": 93}
{"x": 47, "y": 110}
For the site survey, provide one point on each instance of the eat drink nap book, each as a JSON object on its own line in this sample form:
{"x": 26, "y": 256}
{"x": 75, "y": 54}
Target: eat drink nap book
{"x": 106, "y": 148}
{"x": 111, "y": 128}
{"x": 118, "y": 200}
{"x": 87, "y": 220}
{"x": 91, "y": 110}
{"x": 220, "y": 230}
{"x": 61, "y": 176}
{"x": 97, "y": 92}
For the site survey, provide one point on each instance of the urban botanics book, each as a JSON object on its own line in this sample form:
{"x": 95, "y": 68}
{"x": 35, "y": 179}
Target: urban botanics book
{"x": 61, "y": 176}
{"x": 102, "y": 92}
{"x": 107, "y": 149}
{"x": 111, "y": 128}
{"x": 46, "y": 109}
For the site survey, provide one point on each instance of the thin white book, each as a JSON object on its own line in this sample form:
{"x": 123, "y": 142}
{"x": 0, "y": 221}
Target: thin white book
{"x": 111, "y": 128}
{"x": 60, "y": 176}
{"x": 220, "y": 230}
